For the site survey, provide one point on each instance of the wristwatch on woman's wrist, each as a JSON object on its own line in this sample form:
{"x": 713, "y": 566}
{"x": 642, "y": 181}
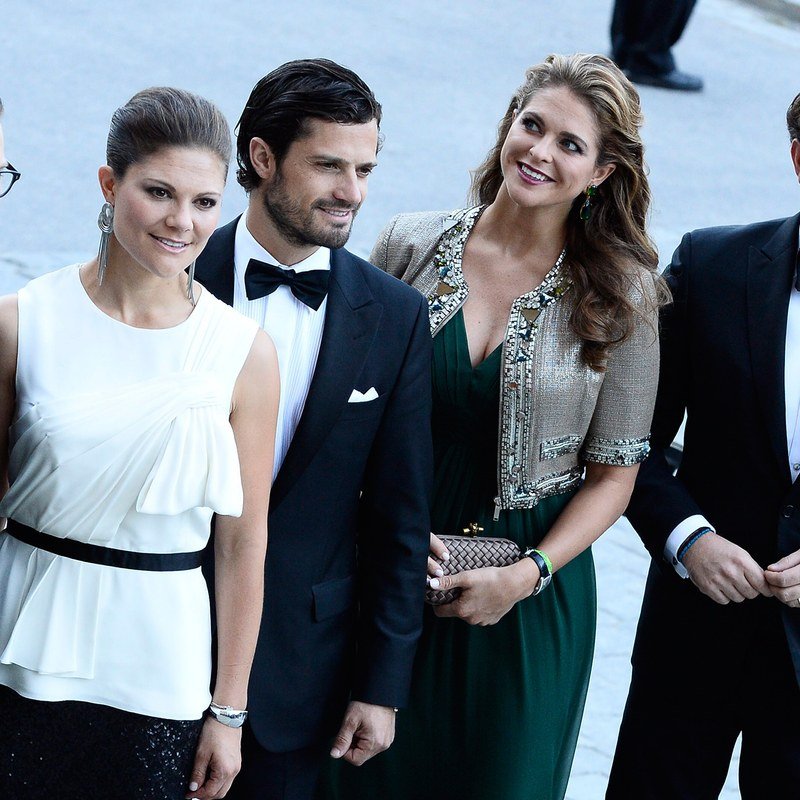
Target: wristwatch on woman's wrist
{"x": 231, "y": 717}
{"x": 545, "y": 569}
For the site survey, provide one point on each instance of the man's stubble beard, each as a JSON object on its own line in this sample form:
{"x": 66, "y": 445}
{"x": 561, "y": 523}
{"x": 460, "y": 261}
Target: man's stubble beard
{"x": 296, "y": 224}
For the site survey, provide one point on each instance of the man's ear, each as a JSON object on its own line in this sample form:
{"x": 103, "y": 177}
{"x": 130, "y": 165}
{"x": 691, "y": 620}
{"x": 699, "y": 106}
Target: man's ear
{"x": 262, "y": 158}
{"x": 795, "y": 151}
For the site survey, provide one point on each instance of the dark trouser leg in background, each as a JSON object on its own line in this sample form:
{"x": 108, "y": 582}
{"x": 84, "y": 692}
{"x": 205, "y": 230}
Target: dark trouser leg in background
{"x": 643, "y": 33}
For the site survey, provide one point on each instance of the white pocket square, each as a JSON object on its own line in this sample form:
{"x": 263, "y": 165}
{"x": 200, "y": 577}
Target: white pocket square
{"x": 365, "y": 397}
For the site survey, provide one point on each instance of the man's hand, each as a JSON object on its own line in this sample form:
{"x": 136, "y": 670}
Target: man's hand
{"x": 488, "y": 593}
{"x": 783, "y": 578}
{"x": 724, "y": 571}
{"x": 366, "y": 730}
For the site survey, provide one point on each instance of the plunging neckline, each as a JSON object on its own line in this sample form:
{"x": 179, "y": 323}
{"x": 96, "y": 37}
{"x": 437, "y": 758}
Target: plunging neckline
{"x": 449, "y": 263}
{"x": 465, "y": 342}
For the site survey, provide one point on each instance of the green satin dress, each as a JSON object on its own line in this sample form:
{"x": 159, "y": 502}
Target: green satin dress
{"x": 494, "y": 711}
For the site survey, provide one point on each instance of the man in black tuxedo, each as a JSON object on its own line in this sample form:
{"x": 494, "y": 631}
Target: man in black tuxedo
{"x": 718, "y": 654}
{"x": 348, "y": 519}
{"x": 643, "y": 33}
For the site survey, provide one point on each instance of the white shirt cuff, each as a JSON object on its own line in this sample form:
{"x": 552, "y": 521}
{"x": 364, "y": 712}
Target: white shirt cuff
{"x": 678, "y": 536}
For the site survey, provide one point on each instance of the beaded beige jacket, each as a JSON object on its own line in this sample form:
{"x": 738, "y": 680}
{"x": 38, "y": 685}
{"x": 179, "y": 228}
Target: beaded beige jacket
{"x": 556, "y": 413}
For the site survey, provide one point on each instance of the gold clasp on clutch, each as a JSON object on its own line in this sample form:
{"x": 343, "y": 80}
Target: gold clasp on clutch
{"x": 473, "y": 529}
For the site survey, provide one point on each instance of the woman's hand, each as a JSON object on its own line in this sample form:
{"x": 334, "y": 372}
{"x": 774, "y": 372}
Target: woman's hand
{"x": 239, "y": 547}
{"x": 489, "y": 593}
{"x": 217, "y": 761}
{"x": 440, "y": 551}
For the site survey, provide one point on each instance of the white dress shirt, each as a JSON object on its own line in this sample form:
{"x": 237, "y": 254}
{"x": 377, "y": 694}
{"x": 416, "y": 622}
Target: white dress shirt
{"x": 295, "y": 329}
{"x": 792, "y": 399}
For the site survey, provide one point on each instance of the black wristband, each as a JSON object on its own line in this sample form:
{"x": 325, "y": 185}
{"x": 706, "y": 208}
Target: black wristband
{"x": 542, "y": 562}
{"x": 690, "y": 540}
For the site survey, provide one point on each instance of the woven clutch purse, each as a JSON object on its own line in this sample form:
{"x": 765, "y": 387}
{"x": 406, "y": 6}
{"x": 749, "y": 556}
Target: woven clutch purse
{"x": 471, "y": 552}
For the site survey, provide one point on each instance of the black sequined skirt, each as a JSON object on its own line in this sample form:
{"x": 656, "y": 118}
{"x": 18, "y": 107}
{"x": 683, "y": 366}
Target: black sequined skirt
{"x": 83, "y": 751}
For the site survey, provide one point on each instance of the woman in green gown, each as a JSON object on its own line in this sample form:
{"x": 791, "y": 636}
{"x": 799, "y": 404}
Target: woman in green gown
{"x": 543, "y": 304}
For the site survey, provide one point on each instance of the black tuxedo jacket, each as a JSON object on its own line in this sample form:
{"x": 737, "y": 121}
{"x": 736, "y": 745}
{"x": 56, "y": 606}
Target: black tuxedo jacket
{"x": 722, "y": 360}
{"x": 349, "y": 510}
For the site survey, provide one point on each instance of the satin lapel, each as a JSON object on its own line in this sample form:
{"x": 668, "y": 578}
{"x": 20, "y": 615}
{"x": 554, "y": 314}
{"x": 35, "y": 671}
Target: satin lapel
{"x": 214, "y": 268}
{"x": 351, "y": 321}
{"x": 769, "y": 280}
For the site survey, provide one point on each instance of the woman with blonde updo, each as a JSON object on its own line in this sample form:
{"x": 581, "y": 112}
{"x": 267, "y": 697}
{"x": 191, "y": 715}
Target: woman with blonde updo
{"x": 543, "y": 300}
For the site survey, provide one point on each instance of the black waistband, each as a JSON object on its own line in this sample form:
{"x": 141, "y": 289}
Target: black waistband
{"x": 107, "y": 556}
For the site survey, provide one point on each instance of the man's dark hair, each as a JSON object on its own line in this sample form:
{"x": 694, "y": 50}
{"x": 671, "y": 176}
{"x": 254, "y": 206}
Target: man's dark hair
{"x": 793, "y": 119}
{"x": 282, "y": 102}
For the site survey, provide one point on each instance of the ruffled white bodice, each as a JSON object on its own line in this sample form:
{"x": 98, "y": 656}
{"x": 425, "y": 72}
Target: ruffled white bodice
{"x": 121, "y": 439}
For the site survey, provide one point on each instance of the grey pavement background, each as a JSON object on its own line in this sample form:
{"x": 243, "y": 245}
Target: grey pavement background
{"x": 444, "y": 72}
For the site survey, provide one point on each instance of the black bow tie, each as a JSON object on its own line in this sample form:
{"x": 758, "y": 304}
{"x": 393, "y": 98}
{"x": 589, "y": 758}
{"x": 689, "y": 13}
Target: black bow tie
{"x": 310, "y": 287}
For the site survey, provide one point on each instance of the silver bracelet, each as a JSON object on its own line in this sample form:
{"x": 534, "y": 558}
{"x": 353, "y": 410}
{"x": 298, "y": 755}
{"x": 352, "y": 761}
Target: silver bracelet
{"x": 227, "y": 715}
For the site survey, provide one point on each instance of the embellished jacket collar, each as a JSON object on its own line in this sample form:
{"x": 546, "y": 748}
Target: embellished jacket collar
{"x": 555, "y": 412}
{"x": 449, "y": 294}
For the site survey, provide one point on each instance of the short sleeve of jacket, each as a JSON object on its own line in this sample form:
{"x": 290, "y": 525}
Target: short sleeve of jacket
{"x": 619, "y": 432}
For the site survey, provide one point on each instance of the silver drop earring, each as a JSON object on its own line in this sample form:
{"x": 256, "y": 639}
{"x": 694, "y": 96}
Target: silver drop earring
{"x": 190, "y": 284}
{"x": 106, "y": 224}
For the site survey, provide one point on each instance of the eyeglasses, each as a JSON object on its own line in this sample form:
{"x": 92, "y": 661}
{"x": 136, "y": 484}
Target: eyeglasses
{"x": 8, "y": 177}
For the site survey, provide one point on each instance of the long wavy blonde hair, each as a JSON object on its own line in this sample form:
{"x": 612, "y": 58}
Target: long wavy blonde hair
{"x": 610, "y": 254}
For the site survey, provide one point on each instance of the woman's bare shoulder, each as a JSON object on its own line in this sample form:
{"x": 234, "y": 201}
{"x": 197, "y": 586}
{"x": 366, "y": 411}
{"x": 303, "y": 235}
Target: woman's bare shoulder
{"x": 8, "y": 334}
{"x": 8, "y": 315}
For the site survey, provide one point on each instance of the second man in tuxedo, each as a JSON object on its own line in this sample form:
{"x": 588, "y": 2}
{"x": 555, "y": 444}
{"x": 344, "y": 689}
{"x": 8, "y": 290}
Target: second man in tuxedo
{"x": 348, "y": 520}
{"x": 718, "y": 653}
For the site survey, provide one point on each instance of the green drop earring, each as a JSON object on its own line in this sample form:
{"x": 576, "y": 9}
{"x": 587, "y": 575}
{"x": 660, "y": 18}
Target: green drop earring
{"x": 586, "y": 208}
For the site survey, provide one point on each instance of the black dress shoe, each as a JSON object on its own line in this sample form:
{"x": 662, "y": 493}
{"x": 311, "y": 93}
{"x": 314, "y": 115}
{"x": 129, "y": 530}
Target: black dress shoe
{"x": 676, "y": 80}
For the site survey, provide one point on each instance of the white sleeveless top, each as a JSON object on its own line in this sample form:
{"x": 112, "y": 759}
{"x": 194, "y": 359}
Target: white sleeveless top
{"x": 121, "y": 438}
